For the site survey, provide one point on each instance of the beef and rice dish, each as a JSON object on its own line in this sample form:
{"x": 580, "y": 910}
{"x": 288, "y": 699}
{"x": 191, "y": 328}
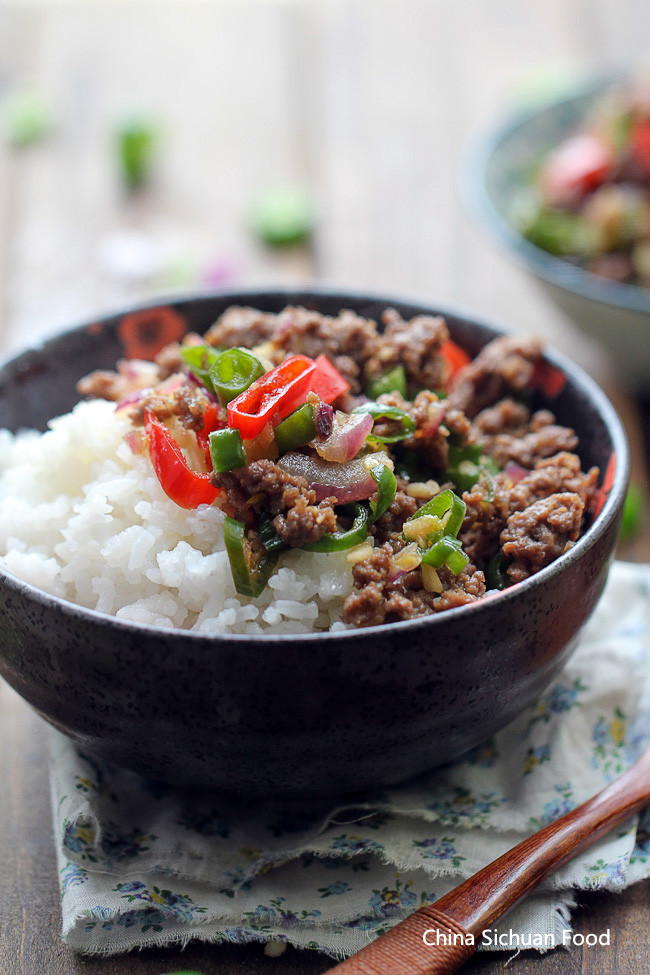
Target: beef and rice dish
{"x": 425, "y": 477}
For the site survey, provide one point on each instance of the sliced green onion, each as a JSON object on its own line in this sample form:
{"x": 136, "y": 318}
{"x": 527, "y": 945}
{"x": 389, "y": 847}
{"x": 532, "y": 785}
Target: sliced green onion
{"x": 339, "y": 541}
{"x": 386, "y": 488}
{"x": 200, "y": 359}
{"x": 297, "y": 429}
{"x": 233, "y": 372}
{"x": 250, "y": 570}
{"x": 393, "y": 381}
{"x": 380, "y": 412}
{"x": 496, "y": 576}
{"x": 445, "y": 502}
{"x": 227, "y": 450}
{"x": 446, "y": 551}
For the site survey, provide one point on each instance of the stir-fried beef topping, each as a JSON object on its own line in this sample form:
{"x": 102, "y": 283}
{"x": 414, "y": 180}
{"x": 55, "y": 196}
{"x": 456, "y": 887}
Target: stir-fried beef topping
{"x": 442, "y": 426}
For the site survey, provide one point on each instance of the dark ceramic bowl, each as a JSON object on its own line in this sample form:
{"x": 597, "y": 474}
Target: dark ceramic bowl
{"x": 495, "y": 167}
{"x": 302, "y": 715}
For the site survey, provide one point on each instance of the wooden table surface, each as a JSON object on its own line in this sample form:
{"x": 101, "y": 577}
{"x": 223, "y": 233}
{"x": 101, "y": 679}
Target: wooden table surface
{"x": 369, "y": 105}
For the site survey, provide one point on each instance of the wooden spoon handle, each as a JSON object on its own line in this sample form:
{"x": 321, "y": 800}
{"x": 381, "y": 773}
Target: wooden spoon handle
{"x": 425, "y": 943}
{"x": 437, "y": 940}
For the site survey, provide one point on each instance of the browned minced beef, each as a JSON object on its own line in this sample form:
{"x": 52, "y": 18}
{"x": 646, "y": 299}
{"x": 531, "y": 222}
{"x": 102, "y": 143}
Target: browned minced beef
{"x": 538, "y": 535}
{"x": 555, "y": 475}
{"x": 348, "y": 340}
{"x": 485, "y": 519}
{"x": 503, "y": 366}
{"x": 263, "y": 486}
{"x": 389, "y": 526}
{"x": 508, "y": 432}
{"x": 169, "y": 360}
{"x": 243, "y": 326}
{"x": 416, "y": 345}
{"x": 189, "y": 403}
{"x": 431, "y": 437}
{"x": 377, "y": 599}
{"x": 104, "y": 384}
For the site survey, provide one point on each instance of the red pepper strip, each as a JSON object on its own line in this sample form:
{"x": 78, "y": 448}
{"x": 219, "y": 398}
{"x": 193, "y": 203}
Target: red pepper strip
{"x": 580, "y": 164}
{"x": 187, "y": 488}
{"x": 640, "y": 143}
{"x": 271, "y": 397}
{"x": 327, "y": 382}
{"x": 454, "y": 356}
{"x": 606, "y": 487}
{"x": 548, "y": 378}
{"x": 211, "y": 422}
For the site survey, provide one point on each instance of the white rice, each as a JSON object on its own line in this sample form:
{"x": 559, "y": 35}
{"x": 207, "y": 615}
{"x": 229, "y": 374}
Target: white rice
{"x": 84, "y": 518}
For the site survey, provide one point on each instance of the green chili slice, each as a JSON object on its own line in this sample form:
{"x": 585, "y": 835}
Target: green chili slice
{"x": 251, "y": 564}
{"x": 380, "y": 412}
{"x": 200, "y": 359}
{"x": 339, "y": 541}
{"x": 386, "y": 488}
{"x": 446, "y": 551}
{"x": 297, "y": 429}
{"x": 227, "y": 450}
{"x": 445, "y": 502}
{"x": 233, "y": 372}
{"x": 467, "y": 464}
{"x": 268, "y": 535}
{"x": 393, "y": 381}
{"x": 496, "y": 575}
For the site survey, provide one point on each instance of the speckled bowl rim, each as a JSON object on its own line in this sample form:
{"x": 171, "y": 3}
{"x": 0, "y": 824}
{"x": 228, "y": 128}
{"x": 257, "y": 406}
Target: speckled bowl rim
{"x": 472, "y": 181}
{"x": 579, "y": 378}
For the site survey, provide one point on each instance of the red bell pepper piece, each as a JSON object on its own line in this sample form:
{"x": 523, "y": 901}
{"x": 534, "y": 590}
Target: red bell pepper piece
{"x": 454, "y": 356}
{"x": 211, "y": 421}
{"x": 187, "y": 488}
{"x": 579, "y": 165}
{"x": 271, "y": 397}
{"x": 640, "y": 143}
{"x": 327, "y": 382}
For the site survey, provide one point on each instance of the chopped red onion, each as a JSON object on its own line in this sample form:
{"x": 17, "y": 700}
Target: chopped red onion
{"x": 515, "y": 472}
{"x": 345, "y": 482}
{"x": 347, "y": 437}
{"x": 132, "y": 398}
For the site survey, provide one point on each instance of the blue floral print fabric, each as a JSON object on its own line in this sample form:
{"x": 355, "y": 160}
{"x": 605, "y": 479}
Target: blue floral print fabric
{"x": 141, "y": 864}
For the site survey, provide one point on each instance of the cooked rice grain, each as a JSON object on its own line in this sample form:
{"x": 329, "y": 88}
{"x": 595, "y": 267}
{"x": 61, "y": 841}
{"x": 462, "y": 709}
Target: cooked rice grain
{"x": 83, "y": 518}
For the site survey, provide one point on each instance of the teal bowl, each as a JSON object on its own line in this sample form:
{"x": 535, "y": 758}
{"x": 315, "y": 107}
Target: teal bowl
{"x": 494, "y": 168}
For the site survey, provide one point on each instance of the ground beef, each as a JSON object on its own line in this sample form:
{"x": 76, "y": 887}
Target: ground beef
{"x": 130, "y": 376}
{"x": 508, "y": 433}
{"x": 389, "y": 526}
{"x": 536, "y": 536}
{"x": 263, "y": 486}
{"x": 434, "y": 423}
{"x": 348, "y": 340}
{"x": 503, "y": 366}
{"x": 377, "y": 599}
{"x": 555, "y": 475}
{"x": 416, "y": 345}
{"x": 243, "y": 326}
{"x": 188, "y": 403}
{"x": 485, "y": 519}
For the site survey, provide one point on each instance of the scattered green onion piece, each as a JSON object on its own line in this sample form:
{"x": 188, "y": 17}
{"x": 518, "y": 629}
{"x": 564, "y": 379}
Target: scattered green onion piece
{"x": 393, "y": 381}
{"x": 227, "y": 450}
{"x": 297, "y": 429}
{"x": 136, "y": 142}
{"x": 380, "y": 412}
{"x": 283, "y": 215}
{"x": 268, "y": 535}
{"x": 386, "y": 488}
{"x": 339, "y": 541}
{"x": 445, "y": 502}
{"x": 446, "y": 551}
{"x": 496, "y": 576}
{"x": 199, "y": 359}
{"x": 633, "y": 511}
{"x": 233, "y": 372}
{"x": 250, "y": 571}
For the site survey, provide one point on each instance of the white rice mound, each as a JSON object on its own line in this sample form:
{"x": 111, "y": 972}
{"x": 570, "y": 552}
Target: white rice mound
{"x": 83, "y": 518}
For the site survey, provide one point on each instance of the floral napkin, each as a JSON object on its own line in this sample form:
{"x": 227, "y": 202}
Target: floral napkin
{"x": 141, "y": 863}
